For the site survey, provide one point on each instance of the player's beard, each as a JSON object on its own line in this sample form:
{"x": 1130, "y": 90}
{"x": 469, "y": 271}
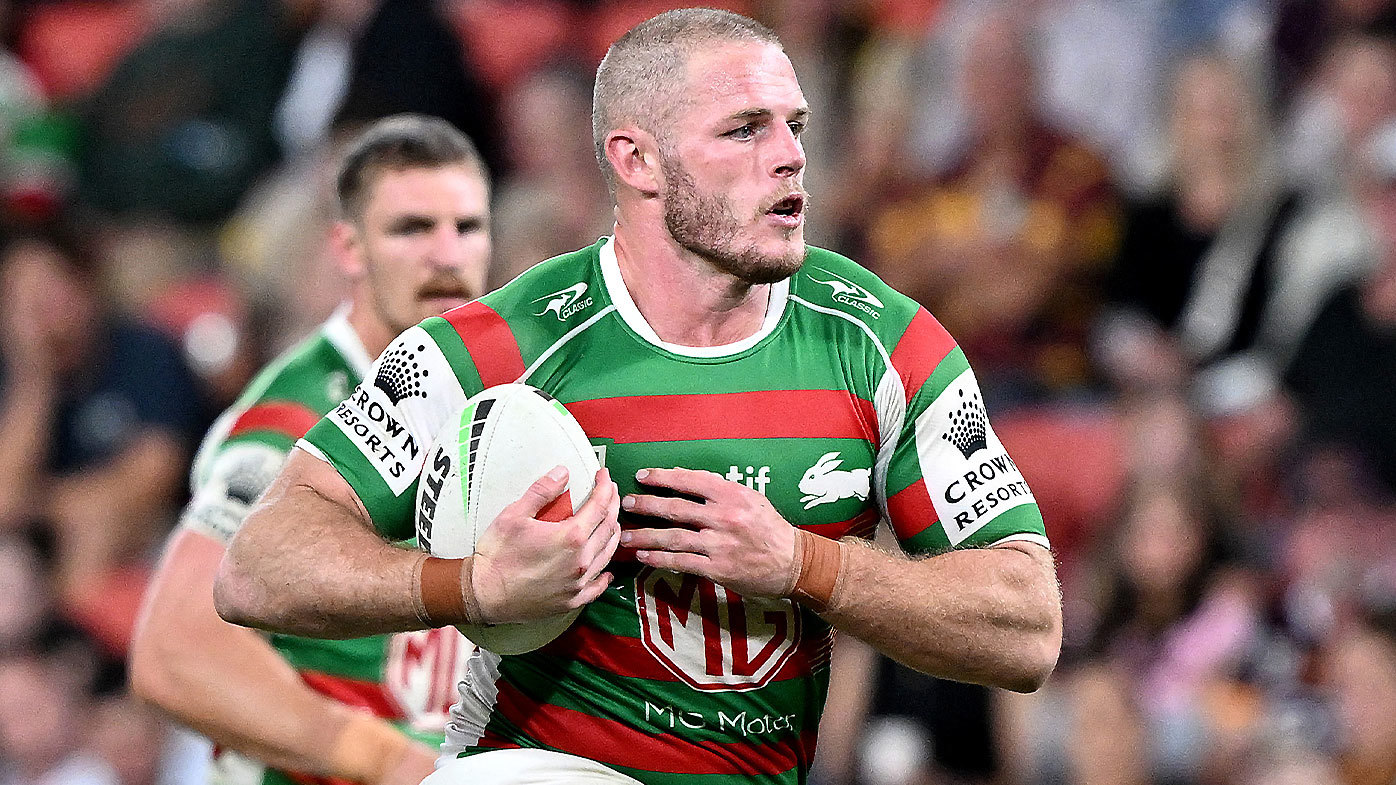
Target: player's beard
{"x": 705, "y": 224}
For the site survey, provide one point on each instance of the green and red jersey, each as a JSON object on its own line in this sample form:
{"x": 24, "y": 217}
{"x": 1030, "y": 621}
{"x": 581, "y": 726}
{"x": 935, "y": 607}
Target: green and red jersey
{"x": 409, "y": 679}
{"x": 850, "y": 404}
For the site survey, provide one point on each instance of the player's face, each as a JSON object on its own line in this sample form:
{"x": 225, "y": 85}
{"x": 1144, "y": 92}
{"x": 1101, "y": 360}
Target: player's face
{"x": 733, "y": 163}
{"x": 424, "y": 242}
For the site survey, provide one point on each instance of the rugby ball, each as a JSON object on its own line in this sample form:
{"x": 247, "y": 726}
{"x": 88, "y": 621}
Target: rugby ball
{"x": 486, "y": 455}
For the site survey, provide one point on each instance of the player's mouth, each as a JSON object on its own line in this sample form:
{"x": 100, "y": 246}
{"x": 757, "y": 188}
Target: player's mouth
{"x": 789, "y": 212}
{"x": 443, "y": 295}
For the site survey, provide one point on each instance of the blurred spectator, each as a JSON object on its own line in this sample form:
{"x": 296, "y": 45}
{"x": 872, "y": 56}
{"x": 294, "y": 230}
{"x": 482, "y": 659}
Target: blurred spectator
{"x": 1349, "y": 103}
{"x": 1344, "y": 373}
{"x": 1223, "y": 271}
{"x": 1361, "y": 672}
{"x": 44, "y": 726}
{"x": 97, "y": 413}
{"x": 554, "y": 199}
{"x": 184, "y": 124}
{"x": 1003, "y": 248}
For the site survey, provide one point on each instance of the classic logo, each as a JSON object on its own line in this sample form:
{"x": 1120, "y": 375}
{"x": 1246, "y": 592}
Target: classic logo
{"x": 711, "y": 637}
{"x": 400, "y": 374}
{"x": 421, "y": 673}
{"x": 825, "y": 482}
{"x": 565, "y": 302}
{"x": 850, "y": 293}
{"x": 968, "y": 426}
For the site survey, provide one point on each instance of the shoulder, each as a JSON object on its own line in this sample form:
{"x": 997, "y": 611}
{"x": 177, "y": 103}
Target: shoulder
{"x": 509, "y": 326}
{"x": 835, "y": 284}
{"x": 290, "y": 394}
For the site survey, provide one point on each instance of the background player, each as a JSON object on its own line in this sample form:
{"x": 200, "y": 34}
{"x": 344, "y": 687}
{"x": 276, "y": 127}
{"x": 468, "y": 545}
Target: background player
{"x": 414, "y": 239}
{"x": 722, "y": 320}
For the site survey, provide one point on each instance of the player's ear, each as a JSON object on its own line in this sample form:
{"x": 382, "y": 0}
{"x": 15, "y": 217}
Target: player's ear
{"x": 347, "y": 248}
{"x": 634, "y": 156}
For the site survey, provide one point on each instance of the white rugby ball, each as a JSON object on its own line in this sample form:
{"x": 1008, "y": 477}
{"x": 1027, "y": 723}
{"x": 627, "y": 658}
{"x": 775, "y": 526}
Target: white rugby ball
{"x": 485, "y": 456}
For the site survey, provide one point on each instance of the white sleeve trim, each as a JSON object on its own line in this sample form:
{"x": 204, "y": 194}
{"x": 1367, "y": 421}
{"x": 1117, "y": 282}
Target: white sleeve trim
{"x": 312, "y": 450}
{"x": 1035, "y": 539}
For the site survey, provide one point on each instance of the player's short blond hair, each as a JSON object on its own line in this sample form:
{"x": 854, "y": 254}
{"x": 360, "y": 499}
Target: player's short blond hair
{"x": 640, "y": 79}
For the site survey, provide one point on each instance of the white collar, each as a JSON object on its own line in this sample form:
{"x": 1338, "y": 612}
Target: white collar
{"x": 345, "y": 340}
{"x": 625, "y": 306}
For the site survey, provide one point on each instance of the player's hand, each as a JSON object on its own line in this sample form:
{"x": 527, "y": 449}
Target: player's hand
{"x": 529, "y": 569}
{"x": 414, "y": 767}
{"x": 733, "y": 536}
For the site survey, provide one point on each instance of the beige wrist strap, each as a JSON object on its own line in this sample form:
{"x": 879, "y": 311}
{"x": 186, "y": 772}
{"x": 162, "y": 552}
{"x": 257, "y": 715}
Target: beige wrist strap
{"x": 367, "y": 749}
{"x": 444, "y": 593}
{"x": 815, "y": 570}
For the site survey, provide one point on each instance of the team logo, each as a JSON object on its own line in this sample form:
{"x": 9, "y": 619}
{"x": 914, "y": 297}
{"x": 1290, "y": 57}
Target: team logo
{"x": 421, "y": 672}
{"x": 968, "y": 426}
{"x": 711, "y": 637}
{"x": 825, "y": 482}
{"x": 850, "y": 293}
{"x": 400, "y": 374}
{"x": 565, "y": 302}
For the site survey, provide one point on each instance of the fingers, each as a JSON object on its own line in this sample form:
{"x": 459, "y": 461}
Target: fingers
{"x": 668, "y": 508}
{"x": 605, "y": 548}
{"x": 703, "y": 484}
{"x": 678, "y": 562}
{"x": 543, "y": 491}
{"x": 592, "y": 590}
{"x": 674, "y": 540}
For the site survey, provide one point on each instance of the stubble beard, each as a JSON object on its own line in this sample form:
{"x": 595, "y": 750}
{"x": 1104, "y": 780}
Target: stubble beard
{"x": 704, "y": 224}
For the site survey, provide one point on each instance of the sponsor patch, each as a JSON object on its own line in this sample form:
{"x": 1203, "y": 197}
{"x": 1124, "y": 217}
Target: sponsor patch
{"x": 236, "y": 478}
{"x": 968, "y": 473}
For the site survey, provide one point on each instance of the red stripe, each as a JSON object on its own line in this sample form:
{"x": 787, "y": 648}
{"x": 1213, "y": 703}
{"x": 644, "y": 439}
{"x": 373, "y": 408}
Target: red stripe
{"x": 364, "y": 694}
{"x": 775, "y": 414}
{"x": 618, "y": 744}
{"x": 490, "y": 342}
{"x": 861, "y": 525}
{"x": 924, "y": 344}
{"x": 628, "y": 658}
{"x": 911, "y": 510}
{"x": 284, "y": 417}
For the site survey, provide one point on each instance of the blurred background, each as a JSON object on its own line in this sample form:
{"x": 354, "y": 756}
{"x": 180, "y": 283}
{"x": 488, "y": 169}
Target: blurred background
{"x": 1163, "y": 230}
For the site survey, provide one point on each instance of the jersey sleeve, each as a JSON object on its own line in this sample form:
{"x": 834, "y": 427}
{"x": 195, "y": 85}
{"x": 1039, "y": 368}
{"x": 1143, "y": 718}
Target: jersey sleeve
{"x": 237, "y": 462}
{"x": 948, "y": 482}
{"x": 378, "y": 437}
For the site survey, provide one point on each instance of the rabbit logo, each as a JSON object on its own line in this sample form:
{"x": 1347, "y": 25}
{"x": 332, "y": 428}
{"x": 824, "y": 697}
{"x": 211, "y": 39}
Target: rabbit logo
{"x": 824, "y": 482}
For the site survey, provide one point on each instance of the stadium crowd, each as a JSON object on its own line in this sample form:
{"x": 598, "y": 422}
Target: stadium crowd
{"x": 1164, "y": 231}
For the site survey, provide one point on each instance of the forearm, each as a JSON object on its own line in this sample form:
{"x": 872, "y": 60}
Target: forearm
{"x": 305, "y": 563}
{"x": 228, "y": 682}
{"x": 988, "y": 616}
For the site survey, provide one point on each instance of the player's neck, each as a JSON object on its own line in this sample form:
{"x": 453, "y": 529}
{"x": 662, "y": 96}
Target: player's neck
{"x": 683, "y": 298}
{"x": 373, "y": 333}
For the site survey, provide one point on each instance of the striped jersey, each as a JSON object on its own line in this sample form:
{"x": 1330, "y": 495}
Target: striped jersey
{"x": 409, "y": 679}
{"x": 848, "y": 405}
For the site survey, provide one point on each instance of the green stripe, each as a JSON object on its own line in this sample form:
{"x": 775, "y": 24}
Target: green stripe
{"x": 453, "y": 348}
{"x": 360, "y": 659}
{"x": 392, "y": 515}
{"x": 467, "y": 417}
{"x": 1023, "y": 519}
{"x": 932, "y": 539}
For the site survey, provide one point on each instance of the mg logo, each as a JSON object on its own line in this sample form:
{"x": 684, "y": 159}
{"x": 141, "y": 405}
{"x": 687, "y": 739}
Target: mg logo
{"x": 711, "y": 637}
{"x": 422, "y": 671}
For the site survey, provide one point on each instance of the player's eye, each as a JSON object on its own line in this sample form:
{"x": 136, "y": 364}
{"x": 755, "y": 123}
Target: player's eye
{"x": 469, "y": 225}
{"x": 747, "y": 131}
{"x": 797, "y": 127}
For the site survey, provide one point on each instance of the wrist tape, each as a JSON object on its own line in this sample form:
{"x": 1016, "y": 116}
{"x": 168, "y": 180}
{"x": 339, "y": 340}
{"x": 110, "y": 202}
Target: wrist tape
{"x": 815, "y": 570}
{"x": 443, "y": 592}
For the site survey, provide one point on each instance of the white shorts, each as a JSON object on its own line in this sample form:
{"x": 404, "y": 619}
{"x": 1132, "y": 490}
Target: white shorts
{"x": 524, "y": 767}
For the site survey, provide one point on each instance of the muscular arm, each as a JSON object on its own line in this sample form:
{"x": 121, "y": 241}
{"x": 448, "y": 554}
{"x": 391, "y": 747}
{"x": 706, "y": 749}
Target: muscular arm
{"x": 990, "y": 616}
{"x": 987, "y": 615}
{"x": 228, "y": 682}
{"x": 308, "y": 562}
